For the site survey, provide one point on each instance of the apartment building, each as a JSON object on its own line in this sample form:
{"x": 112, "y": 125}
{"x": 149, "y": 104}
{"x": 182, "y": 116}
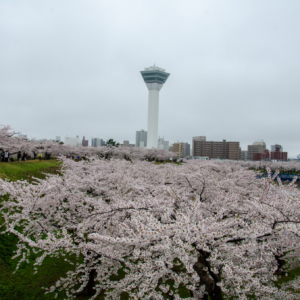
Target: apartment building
{"x": 216, "y": 150}
{"x": 183, "y": 149}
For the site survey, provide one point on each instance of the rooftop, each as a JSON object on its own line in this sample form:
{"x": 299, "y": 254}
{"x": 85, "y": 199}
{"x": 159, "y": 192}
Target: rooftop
{"x": 155, "y": 68}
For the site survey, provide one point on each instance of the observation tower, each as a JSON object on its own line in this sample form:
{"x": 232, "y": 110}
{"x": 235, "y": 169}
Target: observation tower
{"x": 154, "y": 78}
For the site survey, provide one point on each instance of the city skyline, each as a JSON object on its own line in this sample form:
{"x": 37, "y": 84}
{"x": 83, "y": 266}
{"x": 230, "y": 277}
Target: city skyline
{"x": 234, "y": 65}
{"x": 166, "y": 145}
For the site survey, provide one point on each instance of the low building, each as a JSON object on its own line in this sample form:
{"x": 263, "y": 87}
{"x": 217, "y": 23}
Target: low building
{"x": 127, "y": 144}
{"x": 200, "y": 157}
{"x": 261, "y": 156}
{"x": 278, "y": 154}
{"x": 273, "y": 155}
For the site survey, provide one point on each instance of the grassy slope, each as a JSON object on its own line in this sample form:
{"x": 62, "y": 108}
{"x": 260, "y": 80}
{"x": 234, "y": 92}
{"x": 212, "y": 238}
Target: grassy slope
{"x": 26, "y": 170}
{"x": 24, "y": 284}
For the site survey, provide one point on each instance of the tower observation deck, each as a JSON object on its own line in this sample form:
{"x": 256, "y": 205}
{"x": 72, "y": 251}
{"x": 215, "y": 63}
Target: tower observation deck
{"x": 154, "y": 78}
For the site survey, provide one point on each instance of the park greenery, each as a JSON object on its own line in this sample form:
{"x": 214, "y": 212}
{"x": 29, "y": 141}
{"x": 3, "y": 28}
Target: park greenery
{"x": 118, "y": 225}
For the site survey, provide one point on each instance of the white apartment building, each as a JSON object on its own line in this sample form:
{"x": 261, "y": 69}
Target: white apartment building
{"x": 72, "y": 141}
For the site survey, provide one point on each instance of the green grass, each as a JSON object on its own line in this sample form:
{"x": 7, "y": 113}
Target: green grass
{"x": 27, "y": 170}
{"x": 24, "y": 284}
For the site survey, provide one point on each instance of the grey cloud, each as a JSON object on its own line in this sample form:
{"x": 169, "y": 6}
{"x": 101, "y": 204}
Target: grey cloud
{"x": 72, "y": 67}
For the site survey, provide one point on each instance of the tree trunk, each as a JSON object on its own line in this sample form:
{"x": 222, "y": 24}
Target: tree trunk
{"x": 207, "y": 277}
{"x": 89, "y": 288}
{"x": 91, "y": 283}
{"x": 280, "y": 263}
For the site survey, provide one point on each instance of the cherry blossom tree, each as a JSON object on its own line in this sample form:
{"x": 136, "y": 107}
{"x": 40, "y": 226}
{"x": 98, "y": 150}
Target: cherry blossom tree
{"x": 9, "y": 141}
{"x": 213, "y": 227}
{"x": 292, "y": 166}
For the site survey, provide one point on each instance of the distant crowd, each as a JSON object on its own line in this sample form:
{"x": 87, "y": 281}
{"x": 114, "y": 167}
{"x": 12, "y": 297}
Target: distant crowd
{"x": 5, "y": 156}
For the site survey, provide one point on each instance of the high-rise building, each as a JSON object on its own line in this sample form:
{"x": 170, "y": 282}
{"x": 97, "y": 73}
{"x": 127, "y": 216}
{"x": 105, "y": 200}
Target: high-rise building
{"x": 183, "y": 149}
{"x": 256, "y": 147}
{"x": 162, "y": 144}
{"x": 154, "y": 78}
{"x": 141, "y": 138}
{"x": 85, "y": 142}
{"x": 97, "y": 142}
{"x": 72, "y": 141}
{"x": 199, "y": 139}
{"x": 57, "y": 138}
{"x": 216, "y": 150}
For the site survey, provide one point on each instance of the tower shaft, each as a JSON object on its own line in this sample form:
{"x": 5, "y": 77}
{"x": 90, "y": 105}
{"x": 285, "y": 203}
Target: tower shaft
{"x": 153, "y": 105}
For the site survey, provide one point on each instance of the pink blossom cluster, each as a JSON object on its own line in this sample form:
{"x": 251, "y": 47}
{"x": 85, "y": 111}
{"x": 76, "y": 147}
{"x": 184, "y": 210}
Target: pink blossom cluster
{"x": 285, "y": 166}
{"x": 213, "y": 227}
{"x": 9, "y": 141}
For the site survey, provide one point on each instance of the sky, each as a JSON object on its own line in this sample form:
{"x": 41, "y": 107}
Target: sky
{"x": 73, "y": 67}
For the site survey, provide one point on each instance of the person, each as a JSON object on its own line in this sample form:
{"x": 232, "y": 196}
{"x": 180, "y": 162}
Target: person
{"x": 24, "y": 156}
{"x": 6, "y": 155}
{"x": 40, "y": 156}
{"x": 2, "y": 156}
{"x": 19, "y": 156}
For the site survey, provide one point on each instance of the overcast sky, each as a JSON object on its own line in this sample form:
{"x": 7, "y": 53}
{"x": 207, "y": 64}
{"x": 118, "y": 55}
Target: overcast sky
{"x": 72, "y": 67}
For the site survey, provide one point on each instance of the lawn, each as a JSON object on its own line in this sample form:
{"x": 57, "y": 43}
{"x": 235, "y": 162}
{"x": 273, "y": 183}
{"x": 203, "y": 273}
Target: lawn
{"x": 28, "y": 169}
